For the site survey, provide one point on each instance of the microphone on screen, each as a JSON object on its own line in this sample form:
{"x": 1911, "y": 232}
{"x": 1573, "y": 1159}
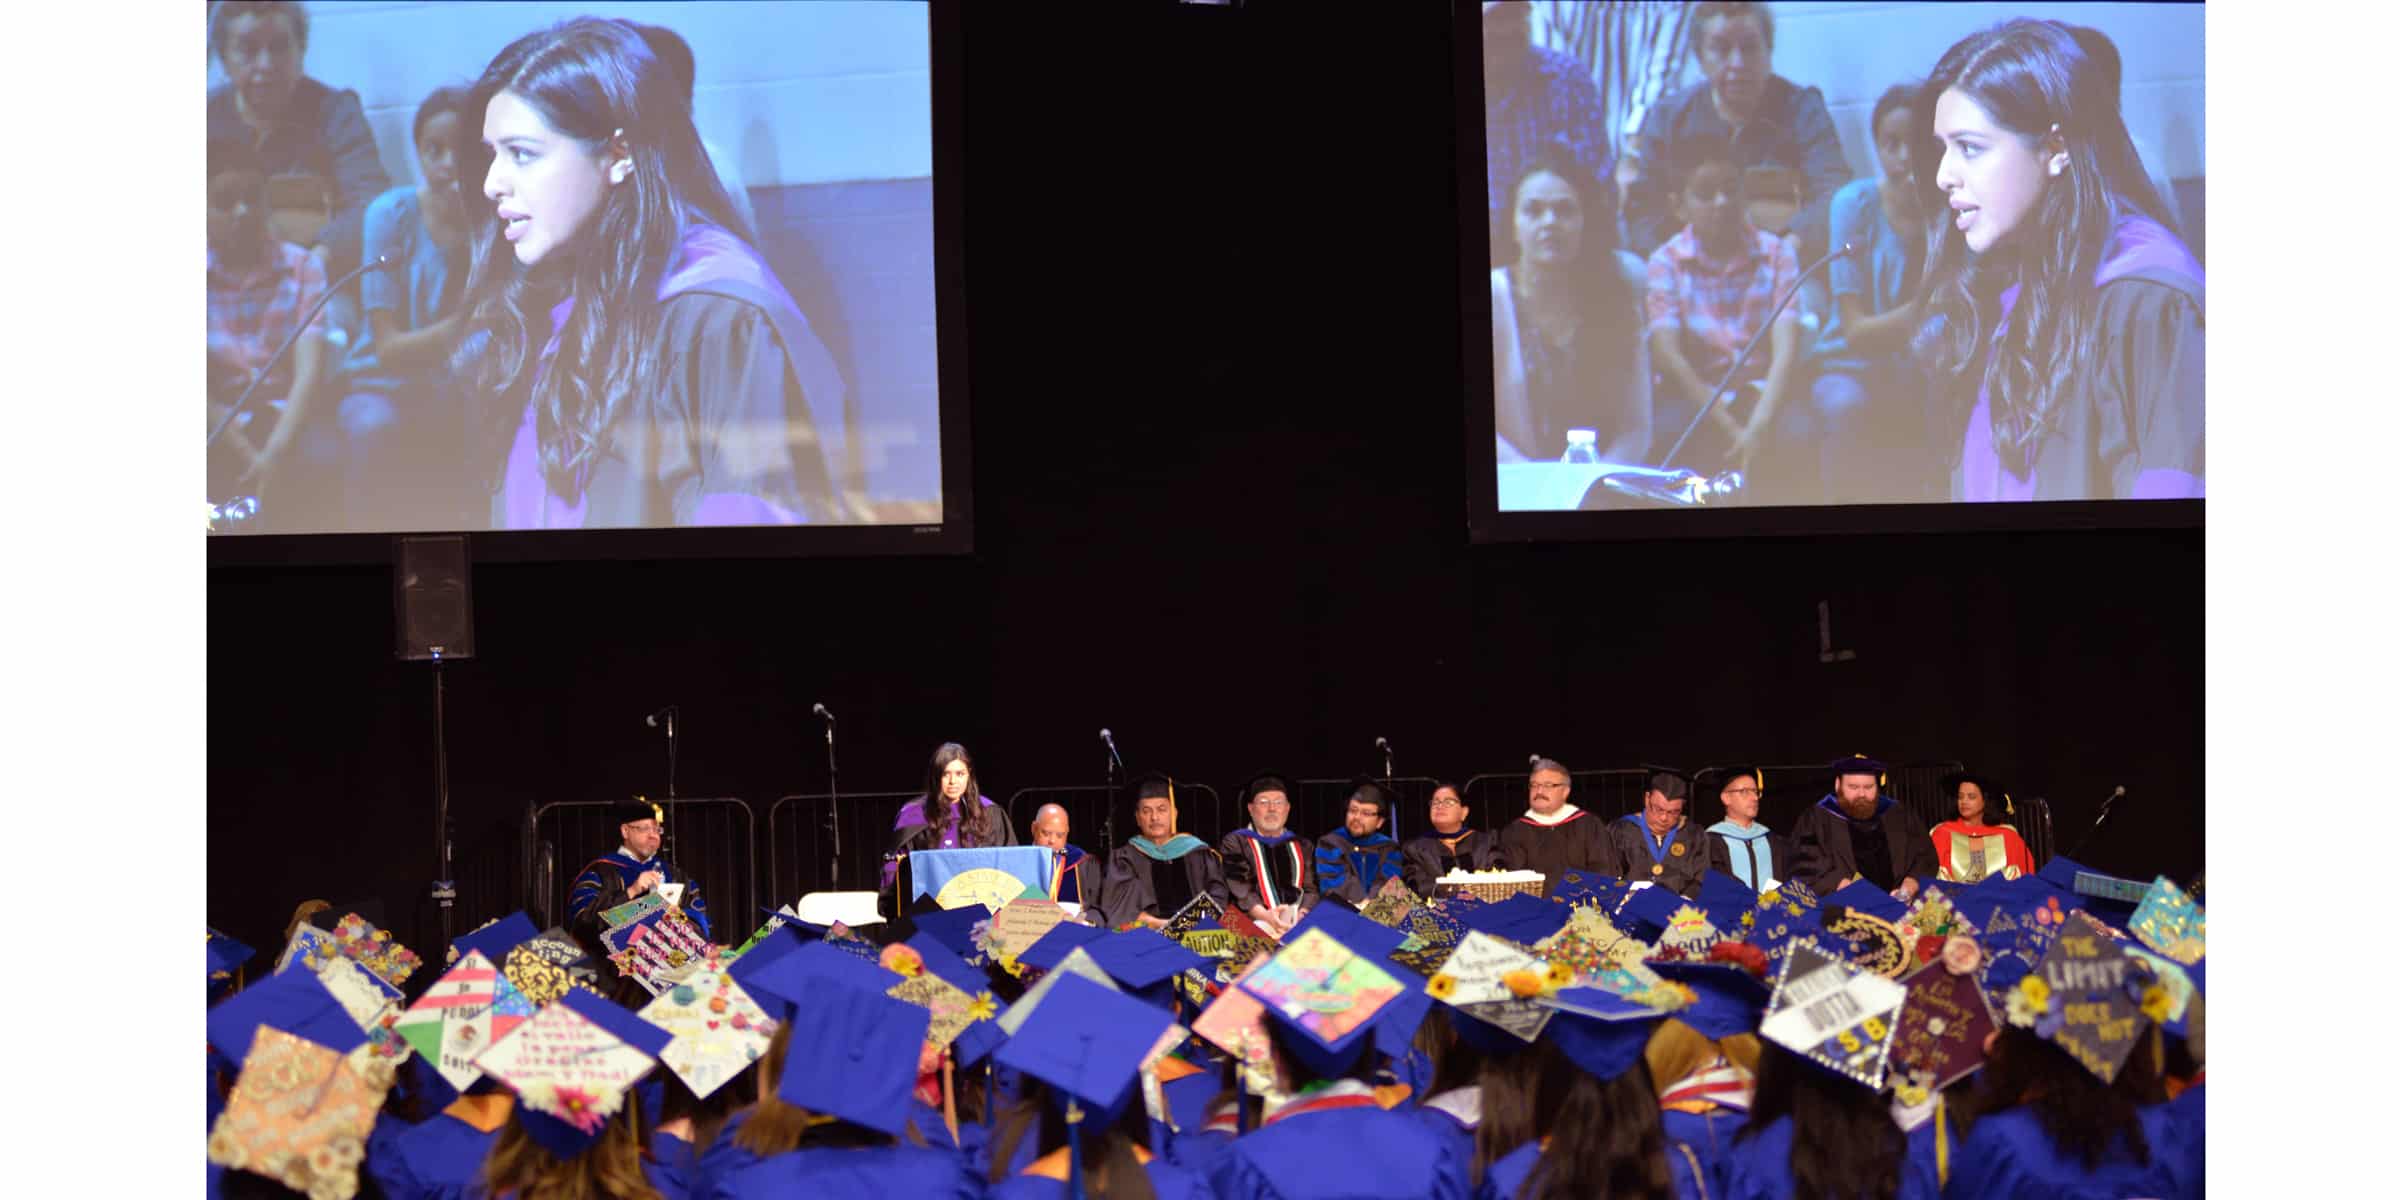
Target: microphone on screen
{"x": 299, "y": 327}
{"x": 1715, "y": 394}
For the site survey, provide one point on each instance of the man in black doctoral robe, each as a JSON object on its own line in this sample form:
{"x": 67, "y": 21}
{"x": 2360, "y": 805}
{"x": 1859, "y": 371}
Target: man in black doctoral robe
{"x": 1858, "y": 833}
{"x": 1554, "y": 836}
{"x": 1657, "y": 844}
{"x": 1152, "y": 876}
{"x": 1353, "y": 861}
{"x": 628, "y": 873}
{"x": 1266, "y": 864}
{"x": 1450, "y": 847}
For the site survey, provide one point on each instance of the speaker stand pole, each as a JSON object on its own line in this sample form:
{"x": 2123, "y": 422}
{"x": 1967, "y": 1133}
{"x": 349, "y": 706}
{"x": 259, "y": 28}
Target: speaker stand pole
{"x": 444, "y": 887}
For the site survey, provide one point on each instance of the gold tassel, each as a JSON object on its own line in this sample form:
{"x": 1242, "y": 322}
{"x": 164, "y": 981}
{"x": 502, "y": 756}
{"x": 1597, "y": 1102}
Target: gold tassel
{"x": 1941, "y": 1141}
{"x": 949, "y": 1100}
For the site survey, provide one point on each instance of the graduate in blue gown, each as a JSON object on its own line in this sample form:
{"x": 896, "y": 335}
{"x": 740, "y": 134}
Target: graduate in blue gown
{"x": 1813, "y": 1132}
{"x": 1704, "y": 1058}
{"x": 1595, "y": 1112}
{"x": 1083, "y": 1048}
{"x": 1331, "y": 1138}
{"x": 278, "y": 1038}
{"x": 626, "y": 873}
{"x": 2049, "y": 1127}
{"x": 835, "y": 1091}
{"x": 552, "y": 1141}
{"x": 1354, "y": 860}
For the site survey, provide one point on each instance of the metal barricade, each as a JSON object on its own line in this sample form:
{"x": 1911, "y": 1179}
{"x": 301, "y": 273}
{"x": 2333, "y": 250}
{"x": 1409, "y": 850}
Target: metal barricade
{"x": 800, "y": 857}
{"x": 1199, "y": 811}
{"x": 712, "y": 840}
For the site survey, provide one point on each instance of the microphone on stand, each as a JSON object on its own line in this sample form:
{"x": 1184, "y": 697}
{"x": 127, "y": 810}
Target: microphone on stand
{"x": 1716, "y": 394}
{"x": 653, "y": 721}
{"x": 833, "y": 801}
{"x": 2105, "y": 805}
{"x": 1116, "y": 774}
{"x": 1393, "y": 817}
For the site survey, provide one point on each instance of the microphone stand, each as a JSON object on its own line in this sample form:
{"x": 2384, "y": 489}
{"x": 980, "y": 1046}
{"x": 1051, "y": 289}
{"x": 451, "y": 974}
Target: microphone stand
{"x": 298, "y": 328}
{"x": 1108, "y": 804}
{"x": 665, "y": 837}
{"x": 1744, "y": 356}
{"x": 1389, "y": 796}
{"x": 2086, "y": 839}
{"x": 833, "y": 816}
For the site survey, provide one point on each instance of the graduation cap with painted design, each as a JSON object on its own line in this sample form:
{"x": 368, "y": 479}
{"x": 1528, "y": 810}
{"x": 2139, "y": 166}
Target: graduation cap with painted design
{"x": 1579, "y": 888}
{"x": 470, "y": 1008}
{"x": 718, "y": 1028}
{"x": 1323, "y": 993}
{"x": 982, "y": 1035}
{"x": 1833, "y": 1012}
{"x": 2089, "y": 998}
{"x": 1351, "y": 929}
{"x": 309, "y": 1091}
{"x": 572, "y": 1066}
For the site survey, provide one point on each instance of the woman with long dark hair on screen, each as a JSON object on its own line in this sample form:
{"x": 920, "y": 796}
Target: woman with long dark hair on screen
{"x": 952, "y": 814}
{"x": 2066, "y": 317}
{"x": 636, "y": 361}
{"x": 1567, "y": 345}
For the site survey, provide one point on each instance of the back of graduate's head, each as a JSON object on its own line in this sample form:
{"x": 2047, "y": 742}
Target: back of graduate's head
{"x": 777, "y": 1126}
{"x": 1110, "y": 1169}
{"x": 1606, "y": 1138}
{"x": 1844, "y": 1142}
{"x": 611, "y": 1166}
{"x": 2086, "y": 1119}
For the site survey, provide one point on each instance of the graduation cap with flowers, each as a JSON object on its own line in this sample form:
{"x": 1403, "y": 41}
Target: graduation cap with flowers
{"x": 718, "y": 1030}
{"x": 303, "y": 1106}
{"x": 2089, "y": 998}
{"x": 571, "y": 1066}
{"x": 982, "y": 1034}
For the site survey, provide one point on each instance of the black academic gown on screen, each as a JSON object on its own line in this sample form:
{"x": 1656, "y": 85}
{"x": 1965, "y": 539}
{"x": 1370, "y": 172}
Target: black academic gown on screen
{"x": 1138, "y": 885}
{"x": 1428, "y": 858}
{"x": 1825, "y": 854}
{"x": 1580, "y": 843}
{"x": 1681, "y": 860}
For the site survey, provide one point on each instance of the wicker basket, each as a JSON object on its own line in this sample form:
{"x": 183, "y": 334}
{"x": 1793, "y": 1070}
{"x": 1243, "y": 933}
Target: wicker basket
{"x": 1492, "y": 892}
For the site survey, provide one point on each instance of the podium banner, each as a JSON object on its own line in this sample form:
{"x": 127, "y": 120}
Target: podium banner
{"x": 955, "y": 878}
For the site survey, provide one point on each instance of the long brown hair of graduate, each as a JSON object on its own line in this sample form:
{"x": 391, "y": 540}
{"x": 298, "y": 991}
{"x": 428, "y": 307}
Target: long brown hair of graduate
{"x": 1844, "y": 1142}
{"x": 1110, "y": 1170}
{"x": 974, "y": 820}
{"x": 611, "y": 1169}
{"x": 2087, "y": 1120}
{"x": 1509, "y": 1083}
{"x": 709, "y": 1113}
{"x": 775, "y": 1127}
{"x": 1606, "y": 1138}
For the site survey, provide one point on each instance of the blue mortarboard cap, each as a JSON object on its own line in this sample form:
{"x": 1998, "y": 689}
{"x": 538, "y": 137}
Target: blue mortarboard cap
{"x": 1052, "y": 948}
{"x": 1869, "y": 899}
{"x": 1725, "y": 898}
{"x": 954, "y": 927}
{"x": 1520, "y": 918}
{"x": 1604, "y": 1047}
{"x": 1144, "y": 960}
{"x": 1363, "y": 936}
{"x": 1590, "y": 887}
{"x": 785, "y": 982}
{"x": 1490, "y": 1039}
{"x": 1396, "y": 1026}
{"x": 1326, "y": 1059}
{"x": 225, "y": 956}
{"x": 296, "y": 1002}
{"x": 759, "y": 957}
{"x": 1731, "y": 1000}
{"x": 498, "y": 938}
{"x": 852, "y": 1052}
{"x": 1647, "y": 912}
{"x": 1088, "y": 1042}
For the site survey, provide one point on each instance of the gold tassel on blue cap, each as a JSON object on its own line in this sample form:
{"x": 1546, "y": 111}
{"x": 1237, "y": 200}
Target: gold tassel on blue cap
{"x": 1074, "y": 1149}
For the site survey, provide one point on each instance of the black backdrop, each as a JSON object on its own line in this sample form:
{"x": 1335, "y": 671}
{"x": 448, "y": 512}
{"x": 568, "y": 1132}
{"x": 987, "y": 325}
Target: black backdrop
{"x": 1220, "y": 503}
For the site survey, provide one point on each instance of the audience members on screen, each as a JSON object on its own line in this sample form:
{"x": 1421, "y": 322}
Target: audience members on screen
{"x": 685, "y": 375}
{"x": 259, "y": 286}
{"x": 1711, "y": 287}
{"x": 1566, "y": 348}
{"x": 1774, "y": 127}
{"x": 311, "y": 139}
{"x": 1534, "y": 99}
{"x": 391, "y": 453}
{"x": 2066, "y": 345}
{"x": 1864, "y": 423}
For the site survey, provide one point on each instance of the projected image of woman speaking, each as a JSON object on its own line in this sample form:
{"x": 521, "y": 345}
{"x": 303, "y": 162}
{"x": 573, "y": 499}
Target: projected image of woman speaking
{"x": 632, "y": 359}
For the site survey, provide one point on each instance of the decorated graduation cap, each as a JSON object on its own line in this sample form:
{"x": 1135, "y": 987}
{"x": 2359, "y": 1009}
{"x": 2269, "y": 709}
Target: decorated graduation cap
{"x": 471, "y": 1007}
{"x": 1833, "y": 1013}
{"x": 1649, "y": 911}
{"x": 2089, "y": 998}
{"x": 763, "y": 953}
{"x": 496, "y": 939}
{"x": 2171, "y": 923}
{"x": 718, "y": 1028}
{"x": 852, "y": 1053}
{"x": 571, "y": 1066}
{"x": 1053, "y": 947}
{"x": 1351, "y": 929}
{"x": 296, "y": 1002}
{"x": 954, "y": 928}
{"x": 1323, "y": 993}
{"x": 1579, "y": 888}
{"x": 301, "y": 1111}
{"x": 982, "y": 1034}
{"x": 1499, "y": 984}
{"x": 1521, "y": 918}
{"x": 1942, "y": 1027}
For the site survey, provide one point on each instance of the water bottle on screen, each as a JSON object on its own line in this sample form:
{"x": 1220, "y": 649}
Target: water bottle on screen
{"x": 1583, "y": 446}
